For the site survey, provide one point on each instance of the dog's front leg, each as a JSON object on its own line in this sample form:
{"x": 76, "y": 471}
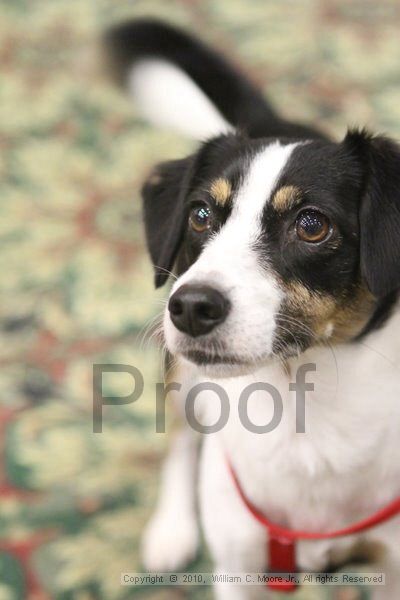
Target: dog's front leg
{"x": 236, "y": 541}
{"x": 171, "y": 538}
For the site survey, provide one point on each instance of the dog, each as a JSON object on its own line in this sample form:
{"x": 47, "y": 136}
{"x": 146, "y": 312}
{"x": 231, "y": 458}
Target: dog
{"x": 284, "y": 248}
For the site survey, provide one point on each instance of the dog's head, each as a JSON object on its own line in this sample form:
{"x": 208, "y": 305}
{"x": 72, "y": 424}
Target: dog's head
{"x": 278, "y": 245}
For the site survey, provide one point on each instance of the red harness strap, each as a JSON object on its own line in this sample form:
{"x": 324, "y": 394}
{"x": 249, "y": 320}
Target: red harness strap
{"x": 282, "y": 541}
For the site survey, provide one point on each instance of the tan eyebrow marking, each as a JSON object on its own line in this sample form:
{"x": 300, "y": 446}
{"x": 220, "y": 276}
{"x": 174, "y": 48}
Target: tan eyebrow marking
{"x": 221, "y": 190}
{"x": 286, "y": 197}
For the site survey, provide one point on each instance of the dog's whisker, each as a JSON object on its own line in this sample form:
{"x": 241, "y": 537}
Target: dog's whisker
{"x": 391, "y": 362}
{"x": 170, "y": 273}
{"x": 147, "y": 332}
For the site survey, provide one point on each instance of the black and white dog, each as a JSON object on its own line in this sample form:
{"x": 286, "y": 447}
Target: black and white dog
{"x": 286, "y": 248}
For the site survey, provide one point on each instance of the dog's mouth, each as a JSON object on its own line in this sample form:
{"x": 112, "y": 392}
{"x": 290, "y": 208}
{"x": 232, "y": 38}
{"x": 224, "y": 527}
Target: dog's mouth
{"x": 204, "y": 358}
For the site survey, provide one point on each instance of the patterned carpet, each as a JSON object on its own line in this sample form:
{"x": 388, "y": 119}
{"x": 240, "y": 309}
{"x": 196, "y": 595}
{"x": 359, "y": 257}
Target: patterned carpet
{"x": 76, "y": 285}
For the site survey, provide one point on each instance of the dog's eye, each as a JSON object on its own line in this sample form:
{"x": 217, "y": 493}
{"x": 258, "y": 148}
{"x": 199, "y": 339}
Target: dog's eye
{"x": 312, "y": 226}
{"x": 200, "y": 218}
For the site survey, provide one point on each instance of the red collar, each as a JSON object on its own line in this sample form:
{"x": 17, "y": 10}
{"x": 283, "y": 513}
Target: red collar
{"x": 282, "y": 541}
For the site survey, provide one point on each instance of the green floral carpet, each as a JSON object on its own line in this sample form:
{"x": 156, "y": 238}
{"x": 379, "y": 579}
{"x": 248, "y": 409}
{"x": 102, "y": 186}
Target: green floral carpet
{"x": 75, "y": 282}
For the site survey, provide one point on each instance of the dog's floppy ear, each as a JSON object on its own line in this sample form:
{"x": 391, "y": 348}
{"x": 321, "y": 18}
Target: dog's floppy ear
{"x": 164, "y": 195}
{"x": 379, "y": 212}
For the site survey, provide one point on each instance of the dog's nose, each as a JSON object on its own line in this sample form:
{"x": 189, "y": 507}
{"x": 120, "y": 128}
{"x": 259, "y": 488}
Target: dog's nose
{"x": 197, "y": 309}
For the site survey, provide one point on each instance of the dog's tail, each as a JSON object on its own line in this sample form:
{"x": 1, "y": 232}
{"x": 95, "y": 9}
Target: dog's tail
{"x": 179, "y": 82}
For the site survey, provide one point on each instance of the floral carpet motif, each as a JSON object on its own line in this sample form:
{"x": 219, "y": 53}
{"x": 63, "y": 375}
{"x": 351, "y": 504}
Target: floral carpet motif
{"x": 76, "y": 283}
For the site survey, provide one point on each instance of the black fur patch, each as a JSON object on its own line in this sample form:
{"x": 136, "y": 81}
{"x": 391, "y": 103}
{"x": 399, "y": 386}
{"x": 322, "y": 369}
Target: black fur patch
{"x": 354, "y": 277}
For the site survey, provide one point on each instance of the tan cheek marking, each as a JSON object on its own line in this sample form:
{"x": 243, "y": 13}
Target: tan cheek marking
{"x": 221, "y": 190}
{"x": 329, "y": 318}
{"x": 303, "y": 301}
{"x": 353, "y": 314}
{"x": 286, "y": 198}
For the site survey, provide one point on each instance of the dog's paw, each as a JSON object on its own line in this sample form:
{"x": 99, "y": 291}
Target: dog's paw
{"x": 169, "y": 543}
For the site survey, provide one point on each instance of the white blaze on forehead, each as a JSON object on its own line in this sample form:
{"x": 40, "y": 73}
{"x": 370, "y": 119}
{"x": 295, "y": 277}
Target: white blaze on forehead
{"x": 231, "y": 248}
{"x": 260, "y": 181}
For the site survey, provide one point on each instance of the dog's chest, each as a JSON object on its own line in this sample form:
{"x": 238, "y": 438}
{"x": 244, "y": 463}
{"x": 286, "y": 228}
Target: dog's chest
{"x": 329, "y": 460}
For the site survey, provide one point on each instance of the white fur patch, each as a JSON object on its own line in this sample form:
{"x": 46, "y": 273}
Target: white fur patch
{"x": 230, "y": 263}
{"x": 260, "y": 181}
{"x": 166, "y": 96}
